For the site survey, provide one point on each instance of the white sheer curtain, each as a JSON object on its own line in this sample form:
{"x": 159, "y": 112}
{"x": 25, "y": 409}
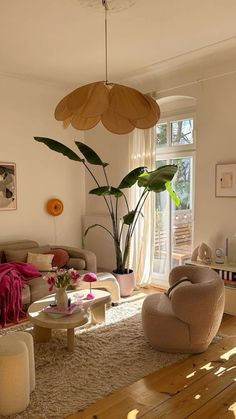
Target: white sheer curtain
{"x": 142, "y": 153}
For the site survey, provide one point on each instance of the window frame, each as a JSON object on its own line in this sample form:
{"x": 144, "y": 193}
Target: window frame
{"x": 171, "y": 151}
{"x": 173, "y": 148}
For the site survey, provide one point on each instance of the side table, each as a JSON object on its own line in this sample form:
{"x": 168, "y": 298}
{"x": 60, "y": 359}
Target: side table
{"x": 228, "y": 274}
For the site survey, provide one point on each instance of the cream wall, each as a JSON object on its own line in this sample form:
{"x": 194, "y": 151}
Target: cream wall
{"x": 214, "y": 218}
{"x": 215, "y": 112}
{"x": 26, "y": 110}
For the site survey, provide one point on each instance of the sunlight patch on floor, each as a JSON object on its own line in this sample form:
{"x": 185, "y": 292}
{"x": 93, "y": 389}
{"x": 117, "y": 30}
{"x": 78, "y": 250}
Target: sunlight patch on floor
{"x": 207, "y": 367}
{"x": 133, "y": 414}
{"x": 191, "y": 374}
{"x": 220, "y": 371}
{"x": 228, "y": 354}
{"x": 232, "y": 408}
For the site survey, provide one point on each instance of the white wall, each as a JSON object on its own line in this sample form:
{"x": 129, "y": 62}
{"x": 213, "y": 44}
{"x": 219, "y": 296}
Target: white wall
{"x": 215, "y": 218}
{"x": 26, "y": 110}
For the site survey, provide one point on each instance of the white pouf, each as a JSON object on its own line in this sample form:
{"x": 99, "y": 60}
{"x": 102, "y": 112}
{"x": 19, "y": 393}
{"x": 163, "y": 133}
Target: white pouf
{"x": 29, "y": 341}
{"x": 14, "y": 376}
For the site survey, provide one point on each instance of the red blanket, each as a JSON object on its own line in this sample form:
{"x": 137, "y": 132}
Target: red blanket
{"x": 13, "y": 277}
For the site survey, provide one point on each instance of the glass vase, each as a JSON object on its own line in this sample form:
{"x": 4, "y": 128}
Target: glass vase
{"x": 61, "y": 297}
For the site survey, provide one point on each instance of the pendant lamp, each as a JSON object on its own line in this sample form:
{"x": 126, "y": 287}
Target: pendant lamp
{"x": 119, "y": 108}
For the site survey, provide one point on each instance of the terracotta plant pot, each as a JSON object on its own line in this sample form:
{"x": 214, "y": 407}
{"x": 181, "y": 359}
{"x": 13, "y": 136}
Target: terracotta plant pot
{"x": 126, "y": 282}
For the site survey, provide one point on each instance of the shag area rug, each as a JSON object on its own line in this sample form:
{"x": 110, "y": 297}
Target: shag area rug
{"x": 106, "y": 358}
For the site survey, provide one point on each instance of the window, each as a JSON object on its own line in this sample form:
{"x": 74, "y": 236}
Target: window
{"x": 175, "y": 144}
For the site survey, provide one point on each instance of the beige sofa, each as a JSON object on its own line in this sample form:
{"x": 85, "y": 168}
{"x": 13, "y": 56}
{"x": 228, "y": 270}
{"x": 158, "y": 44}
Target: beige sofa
{"x": 37, "y": 287}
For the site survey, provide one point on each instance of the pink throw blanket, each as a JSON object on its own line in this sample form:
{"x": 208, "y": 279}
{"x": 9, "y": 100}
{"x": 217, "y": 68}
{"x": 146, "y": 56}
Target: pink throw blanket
{"x": 13, "y": 276}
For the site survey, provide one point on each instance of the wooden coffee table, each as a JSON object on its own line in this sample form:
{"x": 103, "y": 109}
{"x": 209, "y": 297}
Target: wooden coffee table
{"x": 43, "y": 323}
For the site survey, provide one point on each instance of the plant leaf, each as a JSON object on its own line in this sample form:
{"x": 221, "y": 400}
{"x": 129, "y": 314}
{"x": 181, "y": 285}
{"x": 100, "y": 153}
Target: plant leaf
{"x": 143, "y": 179}
{"x": 129, "y": 218}
{"x": 155, "y": 181}
{"x": 90, "y": 155}
{"x": 132, "y": 177}
{"x": 172, "y": 193}
{"x": 59, "y": 147}
{"x": 106, "y": 190}
{"x": 97, "y": 225}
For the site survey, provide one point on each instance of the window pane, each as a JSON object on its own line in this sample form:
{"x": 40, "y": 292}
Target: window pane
{"x": 182, "y": 215}
{"x": 182, "y": 181}
{"x": 182, "y": 132}
{"x": 161, "y": 232}
{"x": 161, "y": 135}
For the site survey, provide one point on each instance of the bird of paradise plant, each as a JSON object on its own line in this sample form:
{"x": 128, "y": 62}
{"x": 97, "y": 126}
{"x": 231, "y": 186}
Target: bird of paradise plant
{"x": 156, "y": 181}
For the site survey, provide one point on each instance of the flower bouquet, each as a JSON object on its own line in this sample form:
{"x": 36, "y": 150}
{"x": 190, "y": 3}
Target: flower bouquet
{"x": 61, "y": 279}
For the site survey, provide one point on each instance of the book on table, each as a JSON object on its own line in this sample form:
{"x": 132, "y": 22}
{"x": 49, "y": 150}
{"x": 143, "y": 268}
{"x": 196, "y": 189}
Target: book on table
{"x": 73, "y": 308}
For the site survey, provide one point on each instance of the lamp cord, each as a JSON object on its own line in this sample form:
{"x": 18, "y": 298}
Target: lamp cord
{"x": 104, "y": 3}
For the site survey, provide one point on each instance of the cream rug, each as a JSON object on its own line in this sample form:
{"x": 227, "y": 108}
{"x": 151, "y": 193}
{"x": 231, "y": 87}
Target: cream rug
{"x": 106, "y": 358}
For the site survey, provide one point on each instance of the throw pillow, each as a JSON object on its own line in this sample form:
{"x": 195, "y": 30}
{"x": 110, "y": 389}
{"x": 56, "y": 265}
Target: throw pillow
{"x": 16, "y": 255}
{"x": 76, "y": 263}
{"x": 41, "y": 261}
{"x": 60, "y": 257}
{"x": 182, "y": 280}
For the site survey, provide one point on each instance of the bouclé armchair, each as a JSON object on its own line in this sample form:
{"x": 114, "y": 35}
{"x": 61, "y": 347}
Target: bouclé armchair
{"x": 189, "y": 317}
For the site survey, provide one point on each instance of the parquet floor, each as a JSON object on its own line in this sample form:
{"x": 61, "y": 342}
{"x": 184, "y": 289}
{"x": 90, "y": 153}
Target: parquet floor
{"x": 200, "y": 387}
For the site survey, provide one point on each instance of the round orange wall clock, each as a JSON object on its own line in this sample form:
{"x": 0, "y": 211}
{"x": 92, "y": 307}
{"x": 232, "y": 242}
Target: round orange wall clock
{"x": 55, "y": 207}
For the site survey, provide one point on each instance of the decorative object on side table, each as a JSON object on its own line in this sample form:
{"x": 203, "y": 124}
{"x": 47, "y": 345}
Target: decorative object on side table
{"x": 155, "y": 181}
{"x": 61, "y": 279}
{"x": 90, "y": 277}
{"x": 219, "y": 255}
{"x": 203, "y": 253}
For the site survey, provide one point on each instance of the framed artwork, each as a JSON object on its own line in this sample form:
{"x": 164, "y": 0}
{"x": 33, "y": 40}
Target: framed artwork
{"x": 7, "y": 186}
{"x": 226, "y": 180}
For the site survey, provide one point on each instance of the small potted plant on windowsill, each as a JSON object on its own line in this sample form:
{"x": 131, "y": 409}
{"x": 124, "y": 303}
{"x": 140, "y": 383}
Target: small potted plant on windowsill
{"x": 155, "y": 181}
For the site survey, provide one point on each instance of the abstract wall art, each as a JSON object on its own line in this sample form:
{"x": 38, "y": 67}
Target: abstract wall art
{"x": 226, "y": 180}
{"x": 7, "y": 186}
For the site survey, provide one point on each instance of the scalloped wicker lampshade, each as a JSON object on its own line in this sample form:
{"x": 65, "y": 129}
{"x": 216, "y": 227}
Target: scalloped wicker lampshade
{"x": 119, "y": 108}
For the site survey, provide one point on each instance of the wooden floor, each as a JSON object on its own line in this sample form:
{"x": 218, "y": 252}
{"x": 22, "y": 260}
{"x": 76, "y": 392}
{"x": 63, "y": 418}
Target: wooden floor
{"x": 199, "y": 387}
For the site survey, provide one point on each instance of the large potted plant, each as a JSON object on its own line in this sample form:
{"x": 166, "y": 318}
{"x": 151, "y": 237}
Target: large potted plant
{"x": 121, "y": 233}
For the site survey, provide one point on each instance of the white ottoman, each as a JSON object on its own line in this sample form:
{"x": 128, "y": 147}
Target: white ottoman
{"x": 108, "y": 282}
{"x": 14, "y": 376}
{"x": 27, "y": 338}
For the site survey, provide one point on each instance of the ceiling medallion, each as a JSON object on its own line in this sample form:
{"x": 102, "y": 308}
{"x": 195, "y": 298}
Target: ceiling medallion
{"x": 119, "y": 108}
{"x": 113, "y": 5}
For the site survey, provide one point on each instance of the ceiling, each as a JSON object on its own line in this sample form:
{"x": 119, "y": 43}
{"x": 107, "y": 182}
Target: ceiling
{"x": 62, "y": 41}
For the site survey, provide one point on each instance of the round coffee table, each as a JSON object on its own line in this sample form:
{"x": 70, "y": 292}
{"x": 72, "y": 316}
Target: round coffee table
{"x": 43, "y": 323}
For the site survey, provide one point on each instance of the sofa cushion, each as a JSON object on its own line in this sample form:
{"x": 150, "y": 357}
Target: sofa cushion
{"x": 38, "y": 288}
{"x": 76, "y": 263}
{"x": 60, "y": 257}
{"x": 43, "y": 262}
{"x": 25, "y": 295}
{"x": 21, "y": 255}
